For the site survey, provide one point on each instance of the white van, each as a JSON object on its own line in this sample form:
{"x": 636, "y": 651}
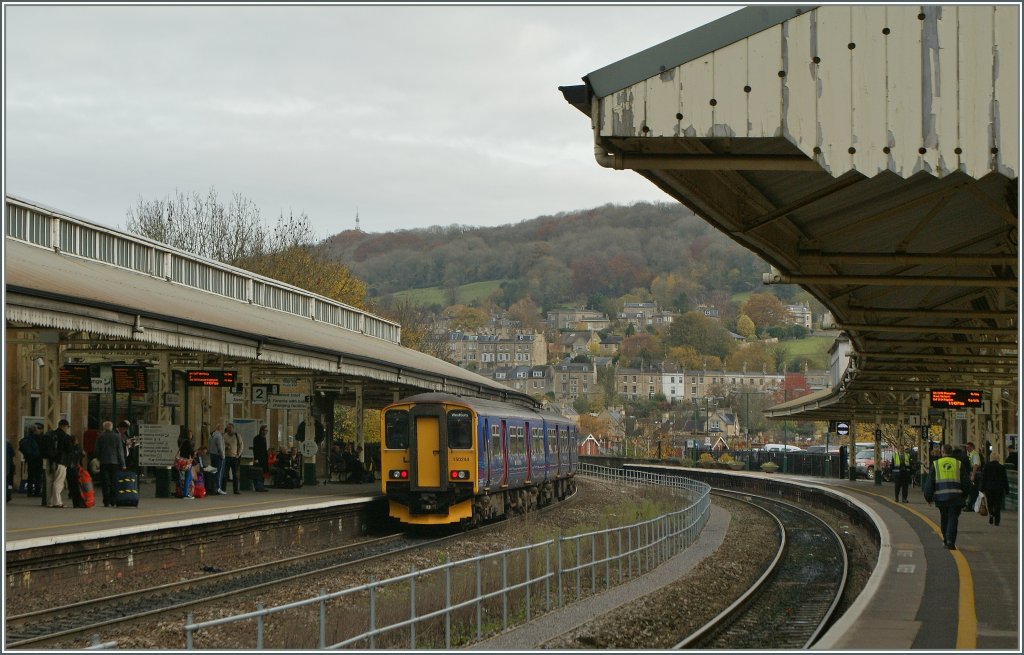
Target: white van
{"x": 778, "y": 448}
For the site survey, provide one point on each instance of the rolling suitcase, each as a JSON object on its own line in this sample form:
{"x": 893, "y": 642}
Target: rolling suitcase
{"x": 127, "y": 489}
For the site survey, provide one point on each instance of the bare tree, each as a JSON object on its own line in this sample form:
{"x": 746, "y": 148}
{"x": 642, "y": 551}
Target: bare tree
{"x": 203, "y": 225}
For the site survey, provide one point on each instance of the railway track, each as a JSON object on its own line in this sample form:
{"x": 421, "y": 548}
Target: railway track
{"x": 84, "y": 619}
{"x": 793, "y": 602}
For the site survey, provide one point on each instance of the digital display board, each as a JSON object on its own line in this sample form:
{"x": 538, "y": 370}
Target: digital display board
{"x": 130, "y": 379}
{"x": 955, "y": 398}
{"x": 211, "y": 378}
{"x": 75, "y": 377}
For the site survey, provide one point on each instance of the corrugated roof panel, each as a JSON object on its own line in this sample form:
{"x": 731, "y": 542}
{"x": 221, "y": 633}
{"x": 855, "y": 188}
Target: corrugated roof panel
{"x": 919, "y": 83}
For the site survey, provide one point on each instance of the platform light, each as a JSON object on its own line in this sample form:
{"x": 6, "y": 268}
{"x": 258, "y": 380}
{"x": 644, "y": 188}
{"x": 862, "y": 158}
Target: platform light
{"x": 460, "y": 475}
{"x": 398, "y": 474}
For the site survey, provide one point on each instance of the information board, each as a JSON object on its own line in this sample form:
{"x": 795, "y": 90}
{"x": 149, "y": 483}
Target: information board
{"x": 131, "y": 379}
{"x": 955, "y": 398}
{"x": 75, "y": 377}
{"x": 158, "y": 444}
{"x": 211, "y": 378}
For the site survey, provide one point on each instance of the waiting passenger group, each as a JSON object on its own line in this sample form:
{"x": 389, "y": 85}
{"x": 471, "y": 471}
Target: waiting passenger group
{"x": 56, "y": 460}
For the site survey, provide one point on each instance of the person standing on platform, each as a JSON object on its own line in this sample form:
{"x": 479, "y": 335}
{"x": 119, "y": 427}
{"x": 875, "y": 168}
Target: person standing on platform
{"x": 110, "y": 452}
{"x": 974, "y": 475}
{"x": 901, "y": 473}
{"x": 30, "y": 450}
{"x": 259, "y": 459}
{"x": 995, "y": 485}
{"x": 217, "y": 459}
{"x": 946, "y": 487}
{"x": 60, "y": 458}
{"x": 232, "y": 453}
{"x": 1011, "y": 458}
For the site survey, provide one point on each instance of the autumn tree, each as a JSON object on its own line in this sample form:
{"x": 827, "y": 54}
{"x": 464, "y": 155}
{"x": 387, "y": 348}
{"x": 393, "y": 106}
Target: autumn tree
{"x": 641, "y": 348}
{"x": 527, "y": 313}
{"x": 766, "y": 311}
{"x": 466, "y": 319}
{"x": 689, "y": 358}
{"x": 705, "y": 335}
{"x": 755, "y": 357}
{"x": 745, "y": 326}
{"x": 416, "y": 325}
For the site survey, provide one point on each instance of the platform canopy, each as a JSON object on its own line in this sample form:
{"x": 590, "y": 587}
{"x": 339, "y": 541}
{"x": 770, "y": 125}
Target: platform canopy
{"x": 870, "y": 154}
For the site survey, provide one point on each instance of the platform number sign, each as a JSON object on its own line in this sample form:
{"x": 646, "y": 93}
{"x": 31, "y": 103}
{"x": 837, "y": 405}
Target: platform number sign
{"x": 842, "y": 428}
{"x": 262, "y": 392}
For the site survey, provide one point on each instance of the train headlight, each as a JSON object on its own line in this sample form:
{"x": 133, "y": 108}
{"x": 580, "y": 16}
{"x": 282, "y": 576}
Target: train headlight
{"x": 399, "y": 475}
{"x": 460, "y": 475}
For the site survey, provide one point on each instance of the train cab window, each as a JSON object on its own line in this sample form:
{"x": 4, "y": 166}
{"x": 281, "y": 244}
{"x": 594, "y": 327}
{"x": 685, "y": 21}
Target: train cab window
{"x": 460, "y": 429}
{"x": 396, "y": 429}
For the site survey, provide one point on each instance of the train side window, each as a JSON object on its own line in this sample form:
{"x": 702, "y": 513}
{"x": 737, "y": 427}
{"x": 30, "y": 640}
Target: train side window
{"x": 460, "y": 429}
{"x": 538, "y": 443}
{"x": 396, "y": 429}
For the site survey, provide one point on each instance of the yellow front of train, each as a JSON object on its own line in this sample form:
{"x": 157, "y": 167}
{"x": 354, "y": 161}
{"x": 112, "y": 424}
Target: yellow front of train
{"x": 429, "y": 459}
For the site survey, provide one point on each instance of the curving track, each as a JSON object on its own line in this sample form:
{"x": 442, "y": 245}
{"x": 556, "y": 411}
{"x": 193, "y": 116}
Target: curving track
{"x": 794, "y": 601}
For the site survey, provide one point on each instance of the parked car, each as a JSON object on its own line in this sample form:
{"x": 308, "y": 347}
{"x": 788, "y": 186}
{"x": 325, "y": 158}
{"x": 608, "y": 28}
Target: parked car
{"x": 778, "y": 448}
{"x": 822, "y": 449}
{"x": 865, "y": 464}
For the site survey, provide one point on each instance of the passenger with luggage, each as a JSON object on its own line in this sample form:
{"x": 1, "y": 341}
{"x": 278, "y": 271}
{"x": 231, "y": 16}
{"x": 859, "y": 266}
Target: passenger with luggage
{"x": 58, "y": 454}
{"x": 183, "y": 465}
{"x": 111, "y": 454}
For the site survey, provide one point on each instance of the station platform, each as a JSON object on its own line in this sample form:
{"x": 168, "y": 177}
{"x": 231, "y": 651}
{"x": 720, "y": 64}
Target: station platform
{"x": 28, "y": 524}
{"x": 921, "y": 596}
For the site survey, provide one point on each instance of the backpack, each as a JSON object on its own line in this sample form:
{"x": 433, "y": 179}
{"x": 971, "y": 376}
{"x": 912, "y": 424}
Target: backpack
{"x": 29, "y": 447}
{"x": 50, "y": 446}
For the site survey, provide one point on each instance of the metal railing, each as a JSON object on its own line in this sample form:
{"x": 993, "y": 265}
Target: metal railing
{"x": 74, "y": 236}
{"x": 456, "y": 603}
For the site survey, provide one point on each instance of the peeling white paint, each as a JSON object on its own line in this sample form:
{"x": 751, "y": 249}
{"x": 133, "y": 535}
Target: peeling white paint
{"x": 948, "y": 84}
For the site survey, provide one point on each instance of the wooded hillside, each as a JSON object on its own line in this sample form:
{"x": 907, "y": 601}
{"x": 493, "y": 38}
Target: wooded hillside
{"x": 587, "y": 257}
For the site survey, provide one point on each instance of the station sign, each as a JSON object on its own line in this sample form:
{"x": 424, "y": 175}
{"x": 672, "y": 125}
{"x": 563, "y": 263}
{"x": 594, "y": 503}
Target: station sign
{"x": 289, "y": 401}
{"x": 262, "y": 392}
{"x": 129, "y": 379}
{"x": 211, "y": 378}
{"x": 172, "y": 400}
{"x": 955, "y": 398}
{"x": 842, "y": 428}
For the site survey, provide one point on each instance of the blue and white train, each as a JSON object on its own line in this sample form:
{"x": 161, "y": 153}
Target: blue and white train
{"x": 446, "y": 459}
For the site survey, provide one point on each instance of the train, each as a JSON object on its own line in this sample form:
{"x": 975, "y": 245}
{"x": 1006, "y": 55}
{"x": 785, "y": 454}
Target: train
{"x": 452, "y": 460}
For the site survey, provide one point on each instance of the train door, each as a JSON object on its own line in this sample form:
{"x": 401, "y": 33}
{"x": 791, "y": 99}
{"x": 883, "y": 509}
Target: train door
{"x": 428, "y": 449}
{"x": 485, "y": 454}
{"x": 504, "y": 452}
{"x": 528, "y": 447}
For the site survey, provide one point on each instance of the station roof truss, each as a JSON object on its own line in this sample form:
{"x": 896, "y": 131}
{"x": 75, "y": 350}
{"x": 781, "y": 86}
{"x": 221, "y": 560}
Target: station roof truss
{"x": 107, "y": 313}
{"x": 869, "y": 153}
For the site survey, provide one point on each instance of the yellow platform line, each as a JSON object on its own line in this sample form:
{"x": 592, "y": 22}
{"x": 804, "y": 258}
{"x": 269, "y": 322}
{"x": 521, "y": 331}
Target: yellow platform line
{"x": 967, "y": 618}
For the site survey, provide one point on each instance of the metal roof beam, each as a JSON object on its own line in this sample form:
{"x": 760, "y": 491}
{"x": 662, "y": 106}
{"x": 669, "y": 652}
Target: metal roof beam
{"x": 895, "y": 280}
{"x": 917, "y": 329}
{"x": 907, "y": 259}
{"x": 931, "y": 313}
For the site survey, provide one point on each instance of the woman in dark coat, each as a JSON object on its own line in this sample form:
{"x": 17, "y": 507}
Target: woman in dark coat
{"x": 995, "y": 486}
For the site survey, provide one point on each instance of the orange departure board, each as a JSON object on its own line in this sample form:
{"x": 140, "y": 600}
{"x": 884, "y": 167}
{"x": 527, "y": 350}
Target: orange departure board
{"x": 955, "y": 398}
{"x": 131, "y": 379}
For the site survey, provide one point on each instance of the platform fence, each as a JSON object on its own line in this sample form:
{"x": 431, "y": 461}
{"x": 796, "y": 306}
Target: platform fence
{"x": 452, "y": 604}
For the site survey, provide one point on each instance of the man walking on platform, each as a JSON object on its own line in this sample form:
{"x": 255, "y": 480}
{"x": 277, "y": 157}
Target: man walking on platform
{"x": 217, "y": 458}
{"x": 901, "y": 473}
{"x": 232, "y": 453}
{"x": 110, "y": 451}
{"x": 946, "y": 487}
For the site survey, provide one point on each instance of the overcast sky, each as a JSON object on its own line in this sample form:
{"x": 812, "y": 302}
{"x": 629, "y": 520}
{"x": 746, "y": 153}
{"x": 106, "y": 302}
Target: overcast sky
{"x": 416, "y": 116}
